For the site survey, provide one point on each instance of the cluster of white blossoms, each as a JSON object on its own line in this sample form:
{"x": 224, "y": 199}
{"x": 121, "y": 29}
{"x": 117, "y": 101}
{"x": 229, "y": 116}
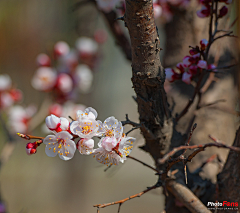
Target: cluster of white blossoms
{"x": 113, "y": 146}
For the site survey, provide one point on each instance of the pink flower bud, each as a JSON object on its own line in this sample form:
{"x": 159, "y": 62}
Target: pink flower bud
{"x": 64, "y": 83}
{"x": 108, "y": 143}
{"x": 193, "y": 69}
{"x": 180, "y": 66}
{"x": 16, "y": 94}
{"x": 61, "y": 48}
{"x": 202, "y": 64}
{"x": 211, "y": 67}
{"x": 56, "y": 109}
{"x": 223, "y": 11}
{"x": 226, "y": 1}
{"x": 195, "y": 58}
{"x": 31, "y": 148}
{"x": 100, "y": 36}
{"x": 157, "y": 9}
{"x": 204, "y": 44}
{"x": 204, "y": 12}
{"x": 43, "y": 60}
{"x": 205, "y": 2}
{"x": 52, "y": 121}
{"x": 187, "y": 77}
{"x": 186, "y": 61}
{"x": 193, "y": 51}
{"x": 57, "y": 124}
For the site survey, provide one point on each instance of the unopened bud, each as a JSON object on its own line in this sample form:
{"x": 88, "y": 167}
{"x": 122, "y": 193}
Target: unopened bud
{"x": 223, "y": 11}
{"x": 43, "y": 60}
{"x": 204, "y": 44}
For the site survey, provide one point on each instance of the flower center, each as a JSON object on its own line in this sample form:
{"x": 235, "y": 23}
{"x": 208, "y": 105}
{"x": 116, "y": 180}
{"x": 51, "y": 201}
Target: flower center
{"x": 109, "y": 133}
{"x": 115, "y": 149}
{"x": 86, "y": 129}
{"x": 61, "y": 142}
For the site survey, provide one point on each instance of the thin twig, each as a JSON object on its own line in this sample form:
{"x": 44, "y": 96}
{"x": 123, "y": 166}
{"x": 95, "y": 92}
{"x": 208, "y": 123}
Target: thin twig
{"x": 128, "y": 198}
{"x": 29, "y": 137}
{"x": 132, "y": 130}
{"x": 199, "y": 148}
{"x": 221, "y": 68}
{"x": 130, "y": 122}
{"x": 225, "y": 35}
{"x": 190, "y": 102}
{"x": 212, "y": 103}
{"x": 108, "y": 167}
{"x": 142, "y": 163}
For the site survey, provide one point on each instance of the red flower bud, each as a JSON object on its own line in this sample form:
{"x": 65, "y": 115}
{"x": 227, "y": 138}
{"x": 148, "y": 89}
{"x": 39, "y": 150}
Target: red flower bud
{"x": 223, "y": 11}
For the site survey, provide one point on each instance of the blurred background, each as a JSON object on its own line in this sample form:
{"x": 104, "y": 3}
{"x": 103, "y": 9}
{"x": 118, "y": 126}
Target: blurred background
{"x": 37, "y": 183}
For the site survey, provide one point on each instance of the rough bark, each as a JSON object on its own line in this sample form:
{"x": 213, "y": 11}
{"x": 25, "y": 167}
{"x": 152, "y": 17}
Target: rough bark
{"x": 148, "y": 77}
{"x": 228, "y": 179}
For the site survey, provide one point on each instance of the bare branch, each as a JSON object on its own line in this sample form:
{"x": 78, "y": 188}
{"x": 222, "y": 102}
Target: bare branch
{"x": 144, "y": 164}
{"x": 199, "y": 148}
{"x": 29, "y": 137}
{"x": 190, "y": 102}
{"x": 186, "y": 197}
{"x": 130, "y": 122}
{"x": 213, "y": 103}
{"x": 128, "y": 198}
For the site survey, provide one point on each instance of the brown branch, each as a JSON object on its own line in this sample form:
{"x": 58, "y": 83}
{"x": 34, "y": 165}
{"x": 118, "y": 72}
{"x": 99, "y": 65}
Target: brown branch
{"x": 148, "y": 77}
{"x": 186, "y": 197}
{"x": 117, "y": 32}
{"x": 208, "y": 82}
{"x": 128, "y": 198}
{"x": 199, "y": 148}
{"x": 225, "y": 35}
{"x": 190, "y": 102}
{"x": 212, "y": 103}
{"x": 221, "y": 68}
{"x": 144, "y": 164}
{"x": 130, "y": 122}
{"x": 29, "y": 137}
{"x": 114, "y": 26}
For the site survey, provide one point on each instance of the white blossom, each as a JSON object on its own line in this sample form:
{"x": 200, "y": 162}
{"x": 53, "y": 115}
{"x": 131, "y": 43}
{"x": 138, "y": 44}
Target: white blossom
{"x": 5, "y": 82}
{"x": 85, "y": 146}
{"x": 86, "y": 125}
{"x": 44, "y": 79}
{"x": 84, "y": 77}
{"x": 60, "y": 144}
{"x": 106, "y": 154}
{"x": 57, "y": 124}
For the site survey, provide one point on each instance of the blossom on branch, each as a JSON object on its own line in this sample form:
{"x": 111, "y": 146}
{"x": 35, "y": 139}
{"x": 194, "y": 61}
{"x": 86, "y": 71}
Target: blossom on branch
{"x": 86, "y": 125}
{"x": 111, "y": 151}
{"x": 44, "y": 79}
{"x": 57, "y": 124}
{"x": 85, "y": 146}
{"x": 60, "y": 144}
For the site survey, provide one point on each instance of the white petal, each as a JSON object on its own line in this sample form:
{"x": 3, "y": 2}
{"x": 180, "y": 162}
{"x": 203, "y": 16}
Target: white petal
{"x": 75, "y": 128}
{"x": 101, "y": 129}
{"x": 93, "y": 111}
{"x": 118, "y": 130}
{"x": 64, "y": 135}
{"x": 64, "y": 123}
{"x": 79, "y": 114}
{"x": 50, "y": 139}
{"x": 110, "y": 122}
{"x": 126, "y": 145}
{"x": 68, "y": 151}
{"x": 52, "y": 121}
{"x": 108, "y": 143}
{"x": 50, "y": 151}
